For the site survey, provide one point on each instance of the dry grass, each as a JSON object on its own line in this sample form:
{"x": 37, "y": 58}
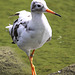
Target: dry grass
{"x": 70, "y": 70}
{"x": 11, "y": 64}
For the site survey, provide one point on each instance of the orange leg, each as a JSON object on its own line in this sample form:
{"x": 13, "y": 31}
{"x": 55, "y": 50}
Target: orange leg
{"x": 31, "y": 62}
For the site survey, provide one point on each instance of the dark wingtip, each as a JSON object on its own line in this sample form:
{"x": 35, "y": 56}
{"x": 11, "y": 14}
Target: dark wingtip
{"x": 17, "y": 14}
{"x": 58, "y": 15}
{"x": 13, "y": 43}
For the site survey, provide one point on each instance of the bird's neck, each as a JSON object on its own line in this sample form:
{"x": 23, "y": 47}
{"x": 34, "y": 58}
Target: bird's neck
{"x": 37, "y": 16}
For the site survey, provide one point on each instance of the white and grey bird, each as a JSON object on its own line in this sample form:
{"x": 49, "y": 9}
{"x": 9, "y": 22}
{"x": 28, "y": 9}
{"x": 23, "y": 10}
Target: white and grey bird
{"x": 31, "y": 30}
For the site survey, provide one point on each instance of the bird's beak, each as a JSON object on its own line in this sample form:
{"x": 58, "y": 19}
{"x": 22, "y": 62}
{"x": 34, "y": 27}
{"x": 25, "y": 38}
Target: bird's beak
{"x": 50, "y": 11}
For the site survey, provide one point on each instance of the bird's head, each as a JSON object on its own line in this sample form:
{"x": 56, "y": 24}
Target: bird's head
{"x": 39, "y": 6}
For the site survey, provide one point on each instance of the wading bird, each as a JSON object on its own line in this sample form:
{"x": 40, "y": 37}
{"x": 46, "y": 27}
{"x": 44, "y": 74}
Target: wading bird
{"x": 31, "y": 30}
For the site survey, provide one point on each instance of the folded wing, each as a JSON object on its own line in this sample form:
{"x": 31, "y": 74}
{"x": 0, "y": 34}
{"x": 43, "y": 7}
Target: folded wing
{"x": 19, "y": 25}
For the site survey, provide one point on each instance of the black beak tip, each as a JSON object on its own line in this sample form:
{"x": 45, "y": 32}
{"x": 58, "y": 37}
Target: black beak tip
{"x": 58, "y": 15}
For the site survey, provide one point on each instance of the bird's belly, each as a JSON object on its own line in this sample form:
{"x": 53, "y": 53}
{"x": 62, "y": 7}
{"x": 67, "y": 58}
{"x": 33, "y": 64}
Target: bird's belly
{"x": 33, "y": 40}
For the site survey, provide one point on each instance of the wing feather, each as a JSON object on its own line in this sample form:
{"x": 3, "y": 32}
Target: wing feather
{"x": 19, "y": 25}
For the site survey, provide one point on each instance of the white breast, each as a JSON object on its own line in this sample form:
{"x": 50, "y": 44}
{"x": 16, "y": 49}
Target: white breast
{"x": 38, "y": 34}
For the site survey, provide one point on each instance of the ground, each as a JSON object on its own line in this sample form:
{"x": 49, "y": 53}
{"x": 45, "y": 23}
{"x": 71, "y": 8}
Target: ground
{"x": 69, "y": 70}
{"x": 10, "y": 64}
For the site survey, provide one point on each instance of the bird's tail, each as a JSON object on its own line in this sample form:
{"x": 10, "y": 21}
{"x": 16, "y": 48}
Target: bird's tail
{"x": 9, "y": 27}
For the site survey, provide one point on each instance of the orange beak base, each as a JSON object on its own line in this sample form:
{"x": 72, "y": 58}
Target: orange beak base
{"x": 50, "y": 11}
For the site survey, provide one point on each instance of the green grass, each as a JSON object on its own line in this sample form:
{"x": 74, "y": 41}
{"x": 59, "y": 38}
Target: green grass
{"x": 54, "y": 55}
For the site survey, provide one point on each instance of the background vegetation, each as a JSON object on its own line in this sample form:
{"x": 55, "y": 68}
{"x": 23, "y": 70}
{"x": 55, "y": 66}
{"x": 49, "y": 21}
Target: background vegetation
{"x": 54, "y": 55}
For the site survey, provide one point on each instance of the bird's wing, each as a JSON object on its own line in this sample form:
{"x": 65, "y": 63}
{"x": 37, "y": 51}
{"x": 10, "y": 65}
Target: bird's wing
{"x": 19, "y": 25}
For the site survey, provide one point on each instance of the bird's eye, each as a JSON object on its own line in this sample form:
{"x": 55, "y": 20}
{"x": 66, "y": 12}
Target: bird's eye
{"x": 39, "y": 5}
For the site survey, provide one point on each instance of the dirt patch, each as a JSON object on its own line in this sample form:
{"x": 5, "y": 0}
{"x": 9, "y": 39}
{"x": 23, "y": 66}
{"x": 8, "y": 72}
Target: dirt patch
{"x": 70, "y": 70}
{"x": 10, "y": 64}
